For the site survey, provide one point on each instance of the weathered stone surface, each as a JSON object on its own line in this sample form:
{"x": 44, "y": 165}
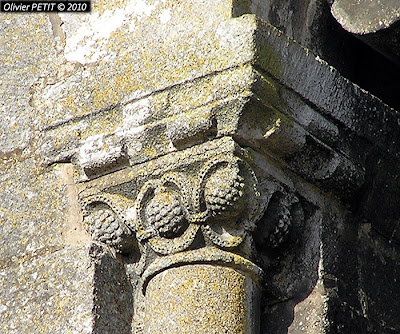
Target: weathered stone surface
{"x": 50, "y": 293}
{"x": 122, "y": 70}
{"x": 378, "y": 280}
{"x": 311, "y": 24}
{"x": 375, "y": 22}
{"x": 367, "y": 16}
{"x": 141, "y": 147}
{"x": 298, "y": 69}
{"x": 38, "y": 212}
{"x": 147, "y": 128}
{"x": 192, "y": 125}
{"x": 310, "y": 314}
{"x": 112, "y": 293}
{"x": 44, "y": 266}
{"x": 28, "y": 53}
{"x": 361, "y": 281}
{"x": 203, "y": 299}
{"x": 294, "y": 295}
{"x": 198, "y": 208}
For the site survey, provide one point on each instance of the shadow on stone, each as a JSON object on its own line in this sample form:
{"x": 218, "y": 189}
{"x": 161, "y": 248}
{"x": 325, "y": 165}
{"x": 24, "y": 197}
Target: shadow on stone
{"x": 290, "y": 264}
{"x": 113, "y": 294}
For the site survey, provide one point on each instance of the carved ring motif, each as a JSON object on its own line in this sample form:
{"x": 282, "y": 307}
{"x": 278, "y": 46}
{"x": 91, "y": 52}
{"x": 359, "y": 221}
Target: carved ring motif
{"x": 222, "y": 202}
{"x": 105, "y": 221}
{"x": 161, "y": 217}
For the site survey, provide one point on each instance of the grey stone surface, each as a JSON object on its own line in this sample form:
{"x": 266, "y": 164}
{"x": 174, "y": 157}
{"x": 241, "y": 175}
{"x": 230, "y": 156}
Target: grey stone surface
{"x": 50, "y": 293}
{"x": 194, "y": 301}
{"x": 317, "y": 82}
{"x": 27, "y": 54}
{"x": 375, "y": 22}
{"x": 32, "y": 217}
{"x": 367, "y": 16}
{"x": 187, "y": 208}
{"x": 112, "y": 293}
{"x": 134, "y": 103}
{"x": 311, "y": 24}
{"x": 116, "y": 69}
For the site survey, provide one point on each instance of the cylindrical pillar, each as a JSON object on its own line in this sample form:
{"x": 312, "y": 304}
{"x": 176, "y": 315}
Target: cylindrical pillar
{"x": 203, "y": 299}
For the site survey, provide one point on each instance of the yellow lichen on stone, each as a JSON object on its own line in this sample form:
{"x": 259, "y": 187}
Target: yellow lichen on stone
{"x": 201, "y": 298}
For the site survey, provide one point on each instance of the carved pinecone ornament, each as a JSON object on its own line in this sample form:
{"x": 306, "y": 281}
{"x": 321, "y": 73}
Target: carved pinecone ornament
{"x": 281, "y": 229}
{"x": 165, "y": 214}
{"x": 223, "y": 191}
{"x": 105, "y": 227}
{"x": 279, "y": 219}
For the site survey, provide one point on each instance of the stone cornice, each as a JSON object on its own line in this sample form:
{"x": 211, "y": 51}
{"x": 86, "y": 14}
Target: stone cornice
{"x": 267, "y": 103}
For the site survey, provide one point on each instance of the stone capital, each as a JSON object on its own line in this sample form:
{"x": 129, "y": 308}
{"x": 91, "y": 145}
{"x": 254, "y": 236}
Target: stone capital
{"x": 208, "y": 192}
{"x": 195, "y": 208}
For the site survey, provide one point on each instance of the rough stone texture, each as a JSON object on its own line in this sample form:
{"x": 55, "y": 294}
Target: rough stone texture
{"x": 375, "y": 22}
{"x": 112, "y": 288}
{"x": 310, "y": 314}
{"x": 190, "y": 207}
{"x": 149, "y": 93}
{"x": 121, "y": 70}
{"x": 310, "y": 23}
{"x": 48, "y": 294}
{"x": 201, "y": 299}
{"x": 27, "y": 51}
{"x": 44, "y": 265}
{"x": 367, "y": 16}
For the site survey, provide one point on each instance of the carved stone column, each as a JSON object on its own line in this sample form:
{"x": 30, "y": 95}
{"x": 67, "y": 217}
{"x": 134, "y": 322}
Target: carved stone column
{"x": 188, "y": 224}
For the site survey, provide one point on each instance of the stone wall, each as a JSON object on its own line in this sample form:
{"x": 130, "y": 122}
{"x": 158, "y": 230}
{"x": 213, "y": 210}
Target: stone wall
{"x": 243, "y": 115}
